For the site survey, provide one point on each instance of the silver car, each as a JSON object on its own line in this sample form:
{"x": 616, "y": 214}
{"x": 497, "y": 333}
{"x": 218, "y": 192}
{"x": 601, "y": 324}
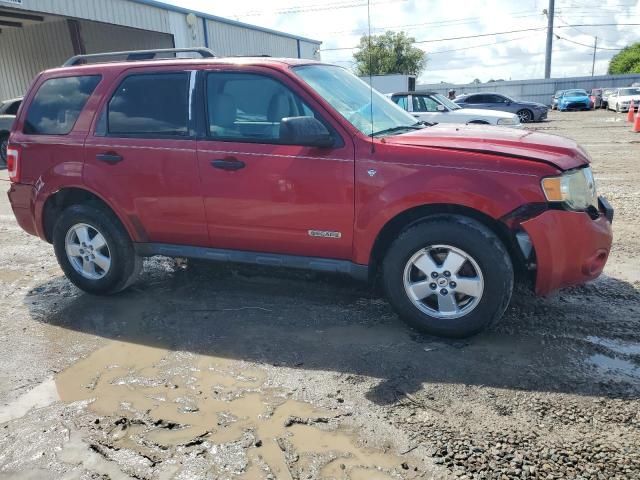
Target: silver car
{"x": 432, "y": 107}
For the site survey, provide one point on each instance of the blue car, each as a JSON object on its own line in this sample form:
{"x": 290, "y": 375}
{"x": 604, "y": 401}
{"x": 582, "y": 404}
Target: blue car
{"x": 574, "y": 100}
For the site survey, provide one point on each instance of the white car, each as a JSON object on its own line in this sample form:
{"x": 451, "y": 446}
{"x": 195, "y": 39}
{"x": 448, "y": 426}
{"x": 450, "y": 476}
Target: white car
{"x": 622, "y": 97}
{"x": 435, "y": 108}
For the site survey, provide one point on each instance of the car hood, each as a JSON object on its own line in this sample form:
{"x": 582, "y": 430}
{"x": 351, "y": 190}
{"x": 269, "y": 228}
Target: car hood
{"x": 481, "y": 112}
{"x": 532, "y": 104}
{"x": 628, "y": 98}
{"x": 575, "y": 98}
{"x": 560, "y": 152}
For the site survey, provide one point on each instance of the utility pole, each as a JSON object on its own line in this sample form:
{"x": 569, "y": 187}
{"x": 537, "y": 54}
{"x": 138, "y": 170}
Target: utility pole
{"x": 547, "y": 59}
{"x": 593, "y": 63}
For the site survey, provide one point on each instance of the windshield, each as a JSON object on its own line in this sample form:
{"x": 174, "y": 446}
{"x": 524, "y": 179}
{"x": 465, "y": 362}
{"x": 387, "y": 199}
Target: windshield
{"x": 351, "y": 97}
{"x": 446, "y": 102}
{"x": 575, "y": 93}
{"x": 629, "y": 91}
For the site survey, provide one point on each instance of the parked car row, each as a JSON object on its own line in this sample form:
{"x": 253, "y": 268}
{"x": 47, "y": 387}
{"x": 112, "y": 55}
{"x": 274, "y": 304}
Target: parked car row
{"x": 477, "y": 108}
{"x": 433, "y": 107}
{"x": 617, "y": 99}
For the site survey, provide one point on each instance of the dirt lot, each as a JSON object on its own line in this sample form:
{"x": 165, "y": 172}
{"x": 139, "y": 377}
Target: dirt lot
{"x": 238, "y": 372}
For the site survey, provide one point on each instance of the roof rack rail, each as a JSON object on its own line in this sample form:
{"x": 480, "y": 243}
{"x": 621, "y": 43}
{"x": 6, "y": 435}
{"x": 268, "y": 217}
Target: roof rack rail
{"x": 137, "y": 55}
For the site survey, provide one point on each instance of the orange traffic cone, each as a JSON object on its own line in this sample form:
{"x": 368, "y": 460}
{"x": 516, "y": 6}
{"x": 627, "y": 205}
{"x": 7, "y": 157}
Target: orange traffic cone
{"x": 636, "y": 122}
{"x": 630, "y": 113}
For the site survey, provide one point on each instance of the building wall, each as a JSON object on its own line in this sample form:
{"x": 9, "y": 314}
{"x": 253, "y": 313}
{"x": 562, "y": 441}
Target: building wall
{"x": 184, "y": 35}
{"x": 309, "y": 50}
{"x": 119, "y": 12}
{"x": 540, "y": 90}
{"x": 230, "y": 40}
{"x": 101, "y": 37}
{"x": 24, "y": 52}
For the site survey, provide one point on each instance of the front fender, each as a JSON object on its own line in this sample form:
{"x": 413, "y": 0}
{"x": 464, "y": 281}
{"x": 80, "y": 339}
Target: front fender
{"x": 395, "y": 188}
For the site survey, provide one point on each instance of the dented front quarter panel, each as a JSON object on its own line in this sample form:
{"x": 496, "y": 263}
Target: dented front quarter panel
{"x": 396, "y": 178}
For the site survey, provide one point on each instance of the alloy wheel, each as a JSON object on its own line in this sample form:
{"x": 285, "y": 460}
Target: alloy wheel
{"x": 443, "y": 281}
{"x": 87, "y": 251}
{"x": 525, "y": 116}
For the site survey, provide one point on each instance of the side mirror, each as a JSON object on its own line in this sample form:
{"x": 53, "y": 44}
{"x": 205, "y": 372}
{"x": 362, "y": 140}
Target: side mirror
{"x": 441, "y": 108}
{"x": 305, "y": 131}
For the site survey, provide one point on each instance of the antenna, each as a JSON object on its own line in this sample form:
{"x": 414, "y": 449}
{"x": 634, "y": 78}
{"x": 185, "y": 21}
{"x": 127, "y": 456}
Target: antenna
{"x": 370, "y": 75}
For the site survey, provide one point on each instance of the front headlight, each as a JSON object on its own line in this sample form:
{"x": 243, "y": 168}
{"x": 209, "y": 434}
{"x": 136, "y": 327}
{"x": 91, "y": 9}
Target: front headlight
{"x": 576, "y": 189}
{"x": 509, "y": 121}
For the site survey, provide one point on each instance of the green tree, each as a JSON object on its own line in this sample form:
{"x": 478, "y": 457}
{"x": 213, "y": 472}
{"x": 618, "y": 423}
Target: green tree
{"x": 389, "y": 53}
{"x": 627, "y": 61}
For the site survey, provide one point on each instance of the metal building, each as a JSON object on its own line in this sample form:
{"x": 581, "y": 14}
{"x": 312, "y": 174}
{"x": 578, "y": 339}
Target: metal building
{"x": 40, "y": 34}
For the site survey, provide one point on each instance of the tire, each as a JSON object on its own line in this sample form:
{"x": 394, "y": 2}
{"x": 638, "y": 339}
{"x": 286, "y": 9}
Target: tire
{"x": 4, "y": 143}
{"x": 525, "y": 115}
{"x": 123, "y": 263}
{"x": 489, "y": 266}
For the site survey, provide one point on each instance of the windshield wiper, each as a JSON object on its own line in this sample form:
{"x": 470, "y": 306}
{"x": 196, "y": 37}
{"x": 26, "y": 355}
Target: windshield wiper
{"x": 415, "y": 126}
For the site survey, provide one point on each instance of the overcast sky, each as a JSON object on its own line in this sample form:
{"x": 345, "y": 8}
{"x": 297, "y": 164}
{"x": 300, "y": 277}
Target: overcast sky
{"x": 340, "y": 23}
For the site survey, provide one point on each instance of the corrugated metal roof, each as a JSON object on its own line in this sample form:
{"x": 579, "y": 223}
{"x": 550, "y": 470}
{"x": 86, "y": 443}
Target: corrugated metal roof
{"x": 174, "y": 8}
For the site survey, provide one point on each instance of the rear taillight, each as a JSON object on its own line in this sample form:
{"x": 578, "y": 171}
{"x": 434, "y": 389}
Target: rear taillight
{"x": 13, "y": 163}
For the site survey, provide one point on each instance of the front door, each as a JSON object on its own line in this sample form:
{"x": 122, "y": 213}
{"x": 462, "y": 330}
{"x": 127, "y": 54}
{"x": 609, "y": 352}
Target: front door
{"x": 262, "y": 195}
{"x": 142, "y": 156}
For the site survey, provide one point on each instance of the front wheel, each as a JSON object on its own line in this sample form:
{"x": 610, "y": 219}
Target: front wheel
{"x": 525, "y": 115}
{"x": 94, "y": 250}
{"x": 448, "y": 276}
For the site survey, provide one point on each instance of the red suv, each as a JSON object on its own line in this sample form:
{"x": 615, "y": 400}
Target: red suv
{"x": 299, "y": 164}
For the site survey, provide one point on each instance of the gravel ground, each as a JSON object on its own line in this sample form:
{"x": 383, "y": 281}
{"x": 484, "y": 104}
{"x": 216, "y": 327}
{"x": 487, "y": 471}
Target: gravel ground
{"x": 208, "y": 371}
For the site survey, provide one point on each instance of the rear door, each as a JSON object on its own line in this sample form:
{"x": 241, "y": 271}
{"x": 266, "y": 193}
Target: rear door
{"x": 281, "y": 198}
{"x": 477, "y": 101}
{"x": 141, "y": 155}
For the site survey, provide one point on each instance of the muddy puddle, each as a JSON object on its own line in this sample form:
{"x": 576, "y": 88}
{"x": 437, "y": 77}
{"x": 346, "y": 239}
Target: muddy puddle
{"x": 153, "y": 401}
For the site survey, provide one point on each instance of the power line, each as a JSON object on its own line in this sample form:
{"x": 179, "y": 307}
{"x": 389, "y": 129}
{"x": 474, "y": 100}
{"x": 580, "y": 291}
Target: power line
{"x": 588, "y": 46}
{"x": 314, "y": 8}
{"x": 497, "y": 33}
{"x": 447, "y": 39}
{"x": 478, "y": 46}
{"x": 413, "y": 26}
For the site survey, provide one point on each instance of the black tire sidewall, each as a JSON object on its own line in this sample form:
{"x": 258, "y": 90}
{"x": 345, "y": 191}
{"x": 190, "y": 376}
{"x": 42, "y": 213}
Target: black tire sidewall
{"x": 3, "y": 158}
{"x": 474, "y": 239}
{"x": 120, "y": 249}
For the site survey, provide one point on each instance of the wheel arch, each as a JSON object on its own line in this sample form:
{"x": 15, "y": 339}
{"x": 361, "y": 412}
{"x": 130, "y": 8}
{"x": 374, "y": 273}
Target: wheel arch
{"x": 414, "y": 215}
{"x": 65, "y": 197}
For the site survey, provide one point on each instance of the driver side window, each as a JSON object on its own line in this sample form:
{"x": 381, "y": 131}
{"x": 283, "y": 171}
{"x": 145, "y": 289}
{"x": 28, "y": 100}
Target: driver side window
{"x": 424, "y": 104}
{"x": 248, "y": 107}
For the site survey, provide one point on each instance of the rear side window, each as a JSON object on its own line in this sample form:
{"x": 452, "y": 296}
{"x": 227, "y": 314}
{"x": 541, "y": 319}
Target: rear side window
{"x": 150, "y": 105}
{"x": 401, "y": 100}
{"x": 58, "y": 103}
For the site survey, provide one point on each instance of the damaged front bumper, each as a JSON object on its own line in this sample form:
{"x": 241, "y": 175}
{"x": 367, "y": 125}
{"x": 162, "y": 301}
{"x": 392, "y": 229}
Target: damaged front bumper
{"x": 570, "y": 248}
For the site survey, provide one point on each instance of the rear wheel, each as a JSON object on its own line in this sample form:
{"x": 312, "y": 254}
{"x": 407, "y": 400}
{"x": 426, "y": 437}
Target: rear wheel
{"x": 448, "y": 276}
{"x": 94, "y": 250}
{"x": 4, "y": 143}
